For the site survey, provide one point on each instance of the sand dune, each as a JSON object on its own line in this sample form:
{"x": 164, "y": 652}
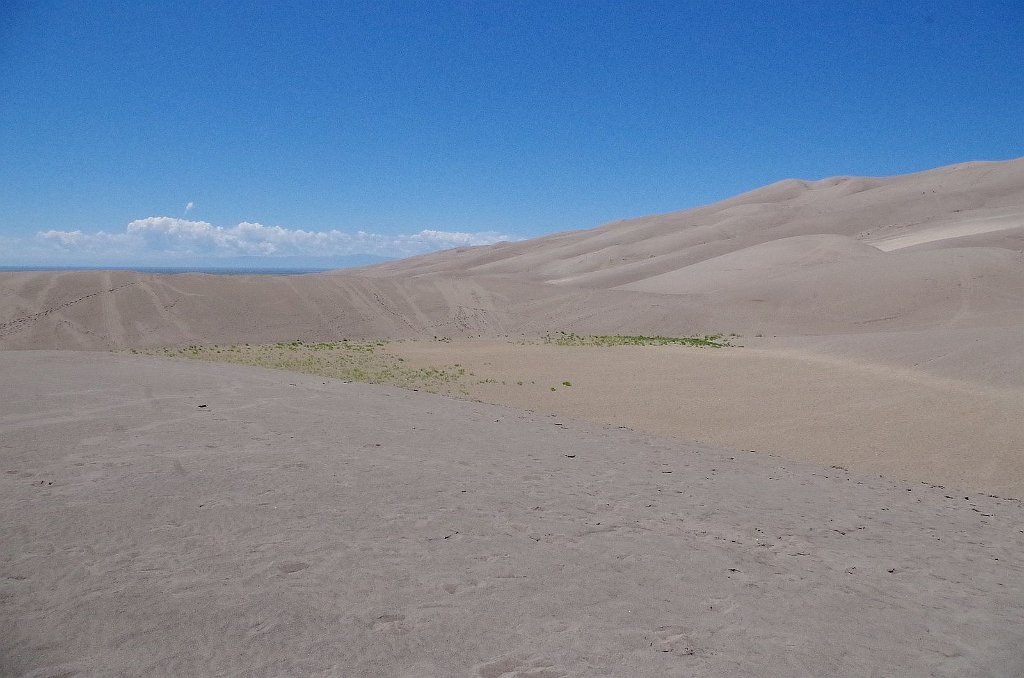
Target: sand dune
{"x": 758, "y": 263}
{"x": 796, "y": 258}
{"x": 119, "y": 309}
{"x": 866, "y": 209}
{"x": 181, "y": 518}
{"x": 1010, "y": 224}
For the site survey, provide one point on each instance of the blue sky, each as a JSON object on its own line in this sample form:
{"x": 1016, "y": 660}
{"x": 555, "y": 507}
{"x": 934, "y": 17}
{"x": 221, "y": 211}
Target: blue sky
{"x": 186, "y": 132}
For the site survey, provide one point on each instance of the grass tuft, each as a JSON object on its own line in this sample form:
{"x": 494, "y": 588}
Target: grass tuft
{"x": 346, "y": 360}
{"x": 371, "y": 362}
{"x": 573, "y": 339}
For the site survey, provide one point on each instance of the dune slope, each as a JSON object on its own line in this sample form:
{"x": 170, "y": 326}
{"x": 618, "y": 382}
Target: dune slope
{"x": 174, "y": 518}
{"x": 938, "y": 205}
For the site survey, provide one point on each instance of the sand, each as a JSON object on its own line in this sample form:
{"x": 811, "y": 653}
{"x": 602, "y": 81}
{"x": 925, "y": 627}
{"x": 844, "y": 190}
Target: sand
{"x": 180, "y": 518}
{"x": 1001, "y": 224}
{"x": 900, "y": 422}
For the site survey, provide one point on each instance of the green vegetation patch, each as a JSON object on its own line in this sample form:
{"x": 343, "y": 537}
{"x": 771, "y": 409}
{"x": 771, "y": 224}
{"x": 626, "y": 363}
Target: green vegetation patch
{"x": 371, "y": 362}
{"x": 364, "y": 361}
{"x": 573, "y": 339}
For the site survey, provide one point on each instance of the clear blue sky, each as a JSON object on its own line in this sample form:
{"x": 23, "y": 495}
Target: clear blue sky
{"x": 485, "y": 118}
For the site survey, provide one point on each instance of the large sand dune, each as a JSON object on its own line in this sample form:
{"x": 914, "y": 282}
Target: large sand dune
{"x": 936, "y": 250}
{"x": 963, "y": 199}
{"x": 181, "y": 518}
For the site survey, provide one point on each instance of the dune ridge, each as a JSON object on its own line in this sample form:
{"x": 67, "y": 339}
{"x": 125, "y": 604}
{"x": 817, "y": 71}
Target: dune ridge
{"x": 922, "y": 271}
{"x": 864, "y": 209}
{"x": 942, "y": 249}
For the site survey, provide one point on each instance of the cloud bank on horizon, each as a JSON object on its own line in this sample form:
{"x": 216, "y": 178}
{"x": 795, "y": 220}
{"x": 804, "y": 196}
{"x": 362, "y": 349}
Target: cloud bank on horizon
{"x": 172, "y": 238}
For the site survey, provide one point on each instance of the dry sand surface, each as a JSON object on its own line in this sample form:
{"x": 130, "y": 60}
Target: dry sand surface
{"x": 903, "y": 423}
{"x": 181, "y": 518}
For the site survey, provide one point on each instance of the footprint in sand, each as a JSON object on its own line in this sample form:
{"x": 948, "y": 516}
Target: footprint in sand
{"x": 292, "y": 567}
{"x": 388, "y": 622}
{"x": 518, "y": 666}
{"x": 674, "y": 640}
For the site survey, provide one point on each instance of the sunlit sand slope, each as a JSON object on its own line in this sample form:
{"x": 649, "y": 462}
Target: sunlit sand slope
{"x": 175, "y": 518}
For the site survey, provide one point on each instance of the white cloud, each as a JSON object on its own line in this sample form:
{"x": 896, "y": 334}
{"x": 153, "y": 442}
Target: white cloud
{"x": 170, "y": 236}
{"x": 189, "y": 206}
{"x": 77, "y": 240}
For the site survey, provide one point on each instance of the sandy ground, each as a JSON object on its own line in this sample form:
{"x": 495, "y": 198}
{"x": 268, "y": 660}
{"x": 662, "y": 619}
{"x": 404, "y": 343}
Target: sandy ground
{"x": 900, "y": 422}
{"x": 181, "y": 518}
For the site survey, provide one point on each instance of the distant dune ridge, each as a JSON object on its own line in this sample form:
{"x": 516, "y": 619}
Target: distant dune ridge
{"x": 937, "y": 250}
